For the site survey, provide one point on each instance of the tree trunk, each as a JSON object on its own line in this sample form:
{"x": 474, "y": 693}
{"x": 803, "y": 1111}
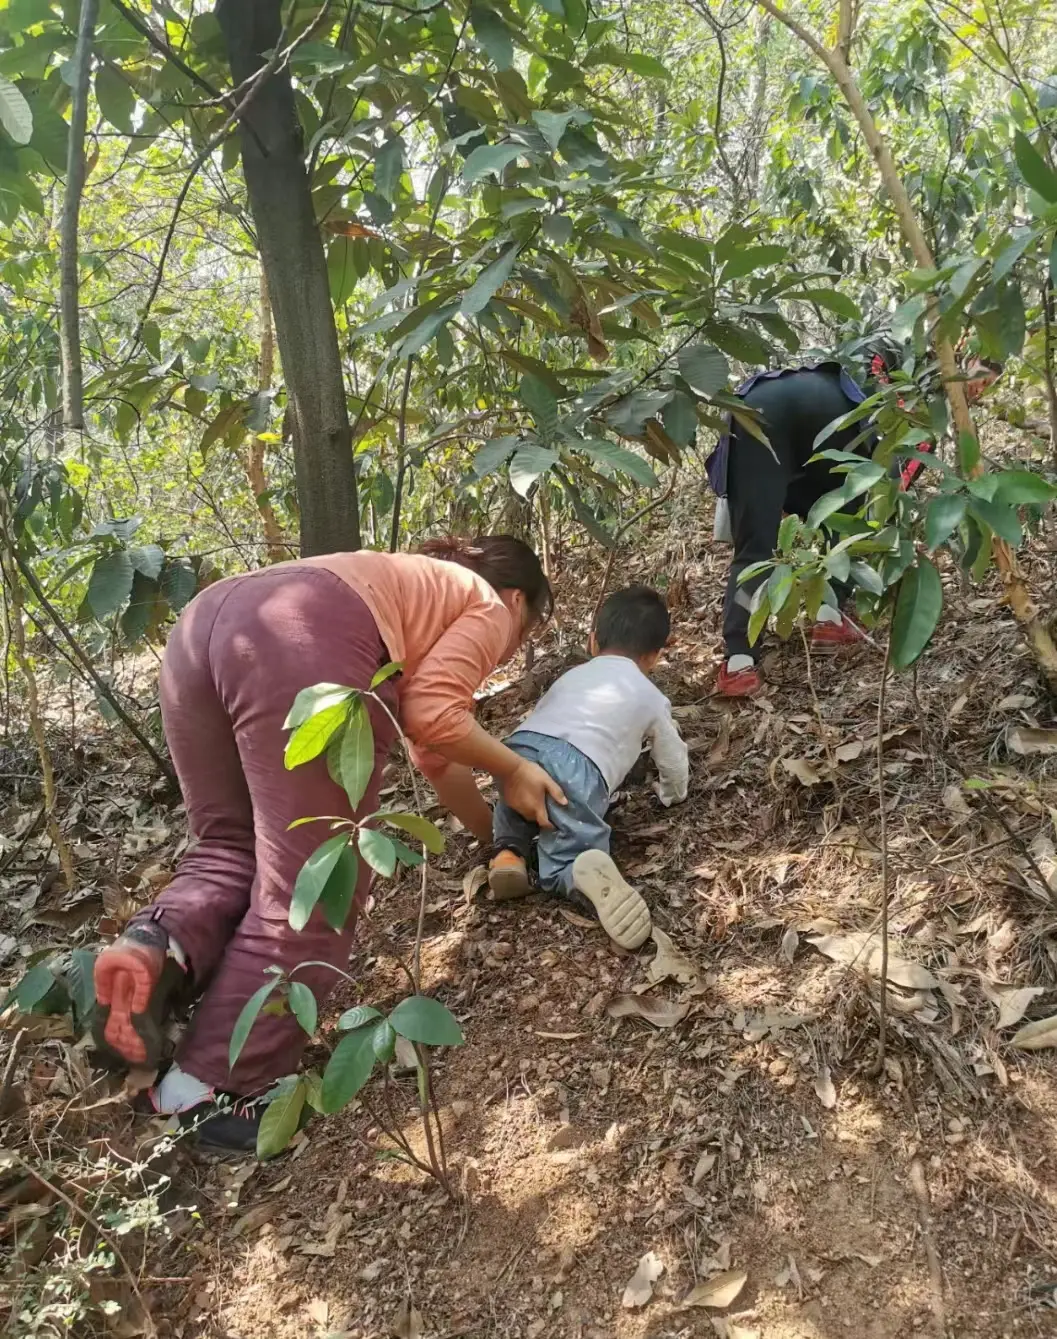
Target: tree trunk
{"x": 1017, "y": 594}
{"x": 296, "y": 271}
{"x": 276, "y": 548}
{"x": 69, "y": 285}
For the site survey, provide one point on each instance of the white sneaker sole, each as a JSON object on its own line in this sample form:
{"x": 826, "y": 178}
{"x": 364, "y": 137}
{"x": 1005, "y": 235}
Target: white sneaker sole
{"x": 623, "y": 914}
{"x": 507, "y": 885}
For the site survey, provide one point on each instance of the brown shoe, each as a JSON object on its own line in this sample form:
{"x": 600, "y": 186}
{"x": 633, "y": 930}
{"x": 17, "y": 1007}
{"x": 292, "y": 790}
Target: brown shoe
{"x": 508, "y": 877}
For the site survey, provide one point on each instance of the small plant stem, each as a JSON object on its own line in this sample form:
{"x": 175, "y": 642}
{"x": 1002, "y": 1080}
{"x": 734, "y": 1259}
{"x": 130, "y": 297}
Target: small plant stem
{"x": 882, "y": 1030}
{"x": 830, "y": 759}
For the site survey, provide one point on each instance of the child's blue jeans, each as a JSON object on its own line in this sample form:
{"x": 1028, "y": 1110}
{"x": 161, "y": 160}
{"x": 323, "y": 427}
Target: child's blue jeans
{"x": 578, "y": 826}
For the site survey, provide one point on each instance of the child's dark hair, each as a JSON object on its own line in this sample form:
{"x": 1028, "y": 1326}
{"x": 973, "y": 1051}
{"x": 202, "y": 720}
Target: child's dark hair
{"x": 504, "y": 562}
{"x": 634, "y": 622}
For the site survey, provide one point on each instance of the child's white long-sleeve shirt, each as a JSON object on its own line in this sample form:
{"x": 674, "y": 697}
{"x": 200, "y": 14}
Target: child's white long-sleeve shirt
{"x": 609, "y": 709}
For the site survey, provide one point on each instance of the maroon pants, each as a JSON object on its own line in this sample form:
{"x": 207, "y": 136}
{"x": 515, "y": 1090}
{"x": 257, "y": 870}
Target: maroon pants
{"x": 235, "y": 660}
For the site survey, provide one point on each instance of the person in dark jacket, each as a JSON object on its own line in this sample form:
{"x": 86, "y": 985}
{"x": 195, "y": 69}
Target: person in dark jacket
{"x": 756, "y": 485}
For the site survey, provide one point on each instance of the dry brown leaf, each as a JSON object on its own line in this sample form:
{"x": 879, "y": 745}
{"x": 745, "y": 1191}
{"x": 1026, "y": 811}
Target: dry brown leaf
{"x": 407, "y": 1323}
{"x": 319, "y": 1311}
{"x": 661, "y": 1013}
{"x": 850, "y": 751}
{"x": 824, "y": 1089}
{"x": 954, "y": 801}
{"x": 805, "y": 772}
{"x": 574, "y": 918}
{"x": 1037, "y": 1036}
{"x": 719, "y": 1292}
{"x": 1016, "y": 702}
{"x": 640, "y": 1285}
{"x": 863, "y": 951}
{"x": 727, "y": 1329}
{"x": 705, "y": 1163}
{"x": 790, "y": 944}
{"x": 669, "y": 962}
{"x": 474, "y": 882}
{"x": 1023, "y": 740}
{"x": 1014, "y": 1004}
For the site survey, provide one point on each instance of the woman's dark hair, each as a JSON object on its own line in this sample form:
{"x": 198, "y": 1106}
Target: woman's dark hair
{"x": 504, "y": 562}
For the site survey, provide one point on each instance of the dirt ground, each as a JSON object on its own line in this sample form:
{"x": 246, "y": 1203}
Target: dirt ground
{"x": 747, "y": 1139}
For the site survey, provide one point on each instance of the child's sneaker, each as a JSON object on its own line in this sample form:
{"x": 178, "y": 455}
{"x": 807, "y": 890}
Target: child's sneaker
{"x": 739, "y": 677}
{"x": 828, "y": 635}
{"x": 623, "y": 914}
{"x": 508, "y": 877}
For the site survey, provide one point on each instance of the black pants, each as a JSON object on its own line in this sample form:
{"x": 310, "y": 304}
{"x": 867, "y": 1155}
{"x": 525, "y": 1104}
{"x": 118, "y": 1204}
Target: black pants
{"x": 794, "y": 408}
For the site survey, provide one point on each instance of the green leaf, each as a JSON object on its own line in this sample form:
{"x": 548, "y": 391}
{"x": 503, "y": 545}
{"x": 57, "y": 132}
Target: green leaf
{"x": 679, "y": 417}
{"x": 310, "y": 701}
{"x": 945, "y": 513}
{"x": 384, "y": 1041}
{"x": 386, "y": 672}
{"x": 917, "y": 612}
{"x": 319, "y": 58}
{"x": 15, "y": 114}
{"x": 377, "y": 850}
{"x": 310, "y": 739}
{"x": 635, "y": 61}
{"x": 779, "y": 586}
{"x": 865, "y": 576}
{"x": 81, "y": 978}
{"x": 542, "y": 404}
{"x": 110, "y": 584}
{"x": 490, "y": 281}
{"x": 312, "y": 879}
{"x": 424, "y": 1019}
{"x": 1001, "y": 519}
{"x": 493, "y": 454}
{"x": 341, "y": 270}
{"x": 348, "y": 1068}
{"x": 303, "y": 1007}
{"x": 178, "y": 583}
{"x": 389, "y": 167}
{"x": 752, "y": 258}
{"x": 759, "y": 615}
{"x": 493, "y": 36}
{"x": 618, "y": 458}
{"x": 558, "y": 229}
{"x": 826, "y": 505}
{"x": 335, "y": 901}
{"x": 280, "y": 1120}
{"x": 148, "y": 560}
{"x": 829, "y": 298}
{"x": 427, "y": 329}
{"x": 421, "y": 828}
{"x": 705, "y": 368}
{"x": 406, "y": 855}
{"x": 968, "y": 453}
{"x": 1023, "y": 488}
{"x": 356, "y": 759}
{"x": 529, "y": 462}
{"x": 1034, "y": 168}
{"x": 357, "y": 1017}
{"x": 32, "y": 989}
{"x": 246, "y": 1019}
{"x": 116, "y": 99}
{"x": 490, "y": 160}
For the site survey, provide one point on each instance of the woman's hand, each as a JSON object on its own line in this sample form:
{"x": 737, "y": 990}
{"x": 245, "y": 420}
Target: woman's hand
{"x": 457, "y": 790}
{"x": 526, "y": 790}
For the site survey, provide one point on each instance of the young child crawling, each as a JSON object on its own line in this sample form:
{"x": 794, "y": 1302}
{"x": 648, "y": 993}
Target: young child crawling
{"x": 587, "y": 733}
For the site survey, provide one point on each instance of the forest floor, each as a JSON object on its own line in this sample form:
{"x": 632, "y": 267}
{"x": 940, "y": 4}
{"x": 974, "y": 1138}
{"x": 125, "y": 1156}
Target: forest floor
{"x": 746, "y": 1139}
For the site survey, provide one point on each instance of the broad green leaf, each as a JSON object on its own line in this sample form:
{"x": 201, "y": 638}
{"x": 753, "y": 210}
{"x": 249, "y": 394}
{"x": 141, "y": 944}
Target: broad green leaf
{"x": 310, "y": 701}
{"x": 617, "y": 457}
{"x": 865, "y": 576}
{"x": 779, "y": 585}
{"x": 493, "y": 454}
{"x": 280, "y": 1120}
{"x": 968, "y": 453}
{"x": 178, "y": 583}
{"x": 739, "y": 341}
{"x": 341, "y": 270}
{"x": 110, "y": 584}
{"x": 81, "y": 978}
{"x": 15, "y": 114}
{"x": 357, "y": 1017}
{"x": 1000, "y": 518}
{"x": 421, "y": 828}
{"x": 705, "y": 368}
{"x": 826, "y": 505}
{"x": 752, "y": 258}
{"x": 303, "y": 1006}
{"x": 679, "y": 417}
{"x": 335, "y": 901}
{"x": 387, "y": 672}
{"x": 310, "y": 739}
{"x": 635, "y": 61}
{"x": 148, "y": 560}
{"x": 542, "y": 404}
{"x": 424, "y": 1019}
{"x": 528, "y": 464}
{"x": 1034, "y": 168}
{"x": 315, "y": 58}
{"x": 493, "y": 36}
{"x": 377, "y": 850}
{"x": 945, "y": 513}
{"x": 356, "y": 760}
{"x": 1023, "y": 488}
{"x": 246, "y": 1019}
{"x": 348, "y": 1068}
{"x": 489, "y": 281}
{"x": 384, "y": 1041}
{"x": 558, "y": 228}
{"x": 829, "y": 298}
{"x": 1014, "y": 248}
{"x": 917, "y": 612}
{"x": 406, "y": 855}
{"x": 312, "y": 879}
{"x": 32, "y": 989}
{"x": 758, "y": 617}
{"x": 116, "y": 99}
{"x": 425, "y": 331}
{"x": 490, "y": 159}
{"x": 389, "y": 167}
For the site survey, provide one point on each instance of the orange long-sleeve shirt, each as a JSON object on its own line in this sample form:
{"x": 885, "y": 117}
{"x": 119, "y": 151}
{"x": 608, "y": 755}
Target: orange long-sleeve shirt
{"x": 447, "y": 627}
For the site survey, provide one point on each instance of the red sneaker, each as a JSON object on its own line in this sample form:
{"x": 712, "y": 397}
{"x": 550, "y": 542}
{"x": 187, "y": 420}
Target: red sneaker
{"x": 739, "y": 683}
{"x": 829, "y": 636}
